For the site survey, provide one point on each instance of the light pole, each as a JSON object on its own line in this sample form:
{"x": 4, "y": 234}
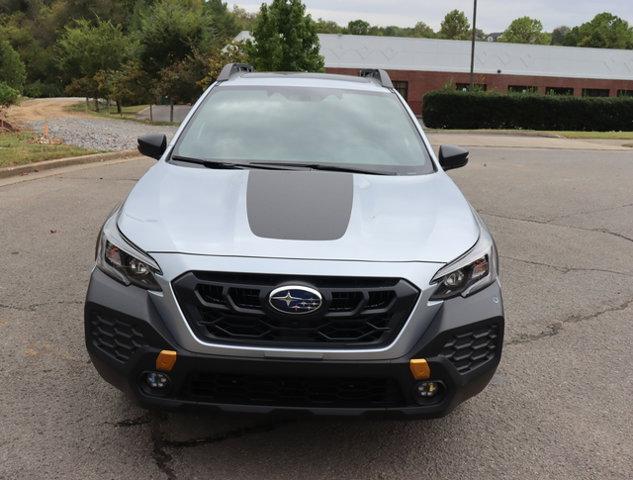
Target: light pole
{"x": 472, "y": 48}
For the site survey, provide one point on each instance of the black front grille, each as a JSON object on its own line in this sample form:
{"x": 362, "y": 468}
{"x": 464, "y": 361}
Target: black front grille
{"x": 293, "y": 391}
{"x": 233, "y": 308}
{"x": 115, "y": 335}
{"x": 472, "y": 349}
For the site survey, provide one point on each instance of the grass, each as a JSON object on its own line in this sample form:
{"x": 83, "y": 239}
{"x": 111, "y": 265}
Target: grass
{"x": 598, "y": 135}
{"x": 127, "y": 113}
{"x": 544, "y": 133}
{"x": 21, "y": 148}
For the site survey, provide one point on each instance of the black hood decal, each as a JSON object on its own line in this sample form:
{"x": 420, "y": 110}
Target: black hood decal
{"x": 299, "y": 205}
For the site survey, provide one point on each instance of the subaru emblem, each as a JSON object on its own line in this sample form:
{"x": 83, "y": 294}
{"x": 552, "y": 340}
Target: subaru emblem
{"x": 295, "y": 299}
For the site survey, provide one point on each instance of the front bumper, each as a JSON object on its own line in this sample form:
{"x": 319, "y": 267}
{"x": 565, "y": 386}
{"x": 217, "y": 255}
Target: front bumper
{"x": 462, "y": 346}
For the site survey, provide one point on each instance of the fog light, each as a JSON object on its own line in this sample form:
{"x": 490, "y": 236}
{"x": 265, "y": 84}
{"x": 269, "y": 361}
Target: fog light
{"x": 427, "y": 389}
{"x": 157, "y": 380}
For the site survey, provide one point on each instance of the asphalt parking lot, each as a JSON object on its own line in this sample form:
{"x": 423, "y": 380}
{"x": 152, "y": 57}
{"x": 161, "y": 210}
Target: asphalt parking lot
{"x": 559, "y": 406}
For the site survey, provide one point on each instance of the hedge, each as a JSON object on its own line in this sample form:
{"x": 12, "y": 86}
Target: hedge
{"x": 472, "y": 110}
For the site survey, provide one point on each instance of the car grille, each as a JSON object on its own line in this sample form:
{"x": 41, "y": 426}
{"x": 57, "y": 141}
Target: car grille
{"x": 293, "y": 391}
{"x": 115, "y": 335}
{"x": 472, "y": 349}
{"x": 233, "y": 308}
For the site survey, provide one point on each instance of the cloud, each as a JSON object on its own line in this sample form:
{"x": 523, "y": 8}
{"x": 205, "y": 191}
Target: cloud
{"x": 492, "y": 15}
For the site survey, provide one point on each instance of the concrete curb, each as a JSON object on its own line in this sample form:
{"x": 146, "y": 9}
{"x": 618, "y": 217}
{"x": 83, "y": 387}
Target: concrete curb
{"x": 507, "y": 133}
{"x": 65, "y": 162}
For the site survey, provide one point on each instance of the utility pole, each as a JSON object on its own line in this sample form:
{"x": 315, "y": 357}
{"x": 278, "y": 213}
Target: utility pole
{"x": 472, "y": 48}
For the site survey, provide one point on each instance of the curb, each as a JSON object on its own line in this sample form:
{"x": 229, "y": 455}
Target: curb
{"x": 507, "y": 133}
{"x": 65, "y": 162}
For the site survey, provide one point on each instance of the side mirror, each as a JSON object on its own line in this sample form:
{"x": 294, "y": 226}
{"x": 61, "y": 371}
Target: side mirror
{"x": 152, "y": 145}
{"x": 452, "y": 157}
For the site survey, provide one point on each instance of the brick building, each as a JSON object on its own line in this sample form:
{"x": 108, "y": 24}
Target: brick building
{"x": 419, "y": 65}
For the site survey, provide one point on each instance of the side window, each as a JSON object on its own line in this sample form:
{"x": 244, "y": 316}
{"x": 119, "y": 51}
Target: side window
{"x": 522, "y": 89}
{"x": 402, "y": 88}
{"x": 565, "y": 91}
{"x": 595, "y": 92}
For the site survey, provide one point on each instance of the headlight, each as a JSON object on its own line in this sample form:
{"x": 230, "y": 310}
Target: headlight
{"x": 471, "y": 272}
{"x": 121, "y": 260}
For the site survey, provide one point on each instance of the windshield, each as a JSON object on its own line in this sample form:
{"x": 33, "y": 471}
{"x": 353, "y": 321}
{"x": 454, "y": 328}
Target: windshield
{"x": 320, "y": 126}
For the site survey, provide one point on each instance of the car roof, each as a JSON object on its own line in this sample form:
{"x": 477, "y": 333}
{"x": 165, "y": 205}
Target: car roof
{"x": 303, "y": 79}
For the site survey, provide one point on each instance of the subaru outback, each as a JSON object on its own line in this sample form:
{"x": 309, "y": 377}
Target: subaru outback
{"x": 298, "y": 247}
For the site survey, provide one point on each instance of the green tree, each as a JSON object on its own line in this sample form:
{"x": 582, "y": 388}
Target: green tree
{"x": 131, "y": 85}
{"x": 8, "y": 96}
{"x": 224, "y": 24}
{"x": 245, "y": 20}
{"x": 328, "y": 26}
{"x": 285, "y": 38}
{"x": 525, "y": 30}
{"x": 455, "y": 26}
{"x": 175, "y": 36}
{"x": 33, "y": 35}
{"x": 86, "y": 50}
{"x": 605, "y": 30}
{"x": 12, "y": 70}
{"x": 234, "y": 52}
{"x": 559, "y": 34}
{"x": 358, "y": 27}
{"x": 422, "y": 30}
{"x": 179, "y": 82}
{"x": 170, "y": 31}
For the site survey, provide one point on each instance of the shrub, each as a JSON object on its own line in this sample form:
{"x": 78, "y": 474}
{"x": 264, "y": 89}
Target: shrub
{"x": 12, "y": 70}
{"x": 8, "y": 95}
{"x": 472, "y": 110}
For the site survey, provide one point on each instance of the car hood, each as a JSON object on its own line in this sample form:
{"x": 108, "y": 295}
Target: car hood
{"x": 298, "y": 214}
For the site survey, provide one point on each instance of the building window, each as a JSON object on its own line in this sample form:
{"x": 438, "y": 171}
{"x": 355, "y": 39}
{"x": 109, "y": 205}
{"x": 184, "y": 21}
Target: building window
{"x": 625, "y": 93}
{"x": 595, "y": 92}
{"x": 559, "y": 91}
{"x": 522, "y": 89}
{"x": 402, "y": 88}
{"x": 464, "y": 87}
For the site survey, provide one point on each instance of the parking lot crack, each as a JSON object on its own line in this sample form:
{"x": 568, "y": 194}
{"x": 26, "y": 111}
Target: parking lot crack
{"x": 555, "y": 328}
{"x": 563, "y": 269}
{"x": 549, "y": 331}
{"x": 161, "y": 445}
{"x": 587, "y": 212}
{"x": 159, "y": 454}
{"x": 505, "y": 217}
{"x": 34, "y": 306}
{"x": 570, "y": 227}
{"x": 13, "y": 307}
{"x": 228, "y": 435}
{"x": 134, "y": 422}
{"x": 616, "y": 234}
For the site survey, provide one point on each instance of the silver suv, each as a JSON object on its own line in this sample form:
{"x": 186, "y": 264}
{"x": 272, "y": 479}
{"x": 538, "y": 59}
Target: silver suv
{"x": 297, "y": 247}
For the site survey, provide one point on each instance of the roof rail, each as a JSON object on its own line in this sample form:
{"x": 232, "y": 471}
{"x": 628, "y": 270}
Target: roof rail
{"x": 231, "y": 69}
{"x": 378, "y": 74}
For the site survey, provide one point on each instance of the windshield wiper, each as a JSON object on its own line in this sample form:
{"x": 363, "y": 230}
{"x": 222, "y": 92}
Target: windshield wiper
{"x": 329, "y": 168}
{"x": 277, "y": 166}
{"x": 229, "y": 165}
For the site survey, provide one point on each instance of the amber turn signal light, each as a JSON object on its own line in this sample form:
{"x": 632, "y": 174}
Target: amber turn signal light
{"x": 166, "y": 360}
{"x": 420, "y": 369}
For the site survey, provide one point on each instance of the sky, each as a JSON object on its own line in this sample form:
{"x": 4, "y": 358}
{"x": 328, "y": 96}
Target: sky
{"x": 492, "y": 15}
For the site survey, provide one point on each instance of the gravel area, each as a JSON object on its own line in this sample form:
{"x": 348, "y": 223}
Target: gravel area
{"x": 100, "y": 133}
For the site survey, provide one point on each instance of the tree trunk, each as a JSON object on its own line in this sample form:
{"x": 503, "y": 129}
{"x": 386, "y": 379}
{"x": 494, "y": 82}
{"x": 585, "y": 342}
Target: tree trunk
{"x": 96, "y": 104}
{"x": 118, "y": 108}
{"x": 87, "y": 104}
{"x": 151, "y": 113}
{"x": 171, "y": 111}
